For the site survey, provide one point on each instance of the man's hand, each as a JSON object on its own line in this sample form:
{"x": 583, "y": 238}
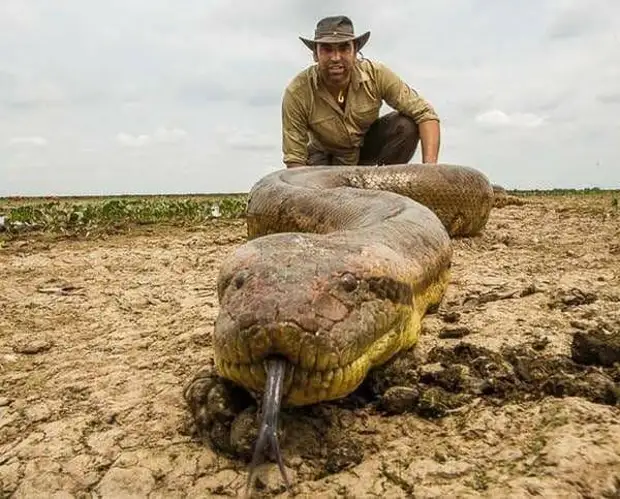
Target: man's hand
{"x": 430, "y": 138}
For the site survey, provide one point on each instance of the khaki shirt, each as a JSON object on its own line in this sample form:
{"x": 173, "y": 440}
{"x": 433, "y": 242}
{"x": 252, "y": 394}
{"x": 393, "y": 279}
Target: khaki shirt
{"x": 312, "y": 117}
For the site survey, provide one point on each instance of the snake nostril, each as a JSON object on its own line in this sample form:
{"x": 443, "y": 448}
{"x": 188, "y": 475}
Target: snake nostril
{"x": 239, "y": 280}
{"x": 349, "y": 282}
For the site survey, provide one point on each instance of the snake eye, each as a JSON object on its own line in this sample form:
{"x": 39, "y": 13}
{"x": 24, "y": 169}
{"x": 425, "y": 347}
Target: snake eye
{"x": 239, "y": 280}
{"x": 349, "y": 282}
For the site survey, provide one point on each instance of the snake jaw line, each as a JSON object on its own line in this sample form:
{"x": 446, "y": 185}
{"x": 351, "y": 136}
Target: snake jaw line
{"x": 309, "y": 385}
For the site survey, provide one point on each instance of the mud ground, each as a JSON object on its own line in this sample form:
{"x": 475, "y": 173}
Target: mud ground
{"x": 513, "y": 391}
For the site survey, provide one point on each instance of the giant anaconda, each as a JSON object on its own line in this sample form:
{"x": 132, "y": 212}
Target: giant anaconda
{"x": 340, "y": 267}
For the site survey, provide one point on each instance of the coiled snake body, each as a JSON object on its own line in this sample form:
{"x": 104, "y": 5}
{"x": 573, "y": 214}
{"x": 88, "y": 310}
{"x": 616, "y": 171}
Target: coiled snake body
{"x": 341, "y": 265}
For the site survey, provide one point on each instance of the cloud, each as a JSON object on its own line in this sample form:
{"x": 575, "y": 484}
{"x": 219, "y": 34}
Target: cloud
{"x": 128, "y": 140}
{"x": 22, "y": 90}
{"x": 160, "y": 136}
{"x": 169, "y": 135}
{"x": 609, "y": 97}
{"x": 578, "y": 18}
{"x": 251, "y": 141}
{"x": 497, "y": 118}
{"x": 28, "y": 141}
{"x": 18, "y": 15}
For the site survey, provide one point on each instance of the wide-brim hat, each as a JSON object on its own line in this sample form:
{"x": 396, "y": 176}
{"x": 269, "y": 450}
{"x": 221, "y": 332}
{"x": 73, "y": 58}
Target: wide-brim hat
{"x": 335, "y": 29}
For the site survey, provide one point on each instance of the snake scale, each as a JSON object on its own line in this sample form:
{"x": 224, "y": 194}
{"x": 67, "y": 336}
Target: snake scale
{"x": 341, "y": 265}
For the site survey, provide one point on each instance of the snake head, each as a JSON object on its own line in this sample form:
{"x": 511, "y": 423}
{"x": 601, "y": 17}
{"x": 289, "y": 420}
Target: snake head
{"x": 332, "y": 311}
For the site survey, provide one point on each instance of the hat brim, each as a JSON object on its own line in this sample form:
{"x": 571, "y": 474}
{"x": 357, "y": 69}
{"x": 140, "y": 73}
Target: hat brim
{"x": 360, "y": 39}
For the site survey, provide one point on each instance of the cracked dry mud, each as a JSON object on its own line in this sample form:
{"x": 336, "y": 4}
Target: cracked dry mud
{"x": 513, "y": 391}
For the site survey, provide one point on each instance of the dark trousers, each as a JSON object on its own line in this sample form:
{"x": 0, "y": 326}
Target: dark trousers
{"x": 391, "y": 139}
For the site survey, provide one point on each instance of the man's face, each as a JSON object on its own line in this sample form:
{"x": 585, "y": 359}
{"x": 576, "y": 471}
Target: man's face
{"x": 335, "y": 61}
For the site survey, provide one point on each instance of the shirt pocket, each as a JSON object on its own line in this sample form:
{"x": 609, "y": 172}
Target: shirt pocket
{"x": 365, "y": 115}
{"x": 329, "y": 131}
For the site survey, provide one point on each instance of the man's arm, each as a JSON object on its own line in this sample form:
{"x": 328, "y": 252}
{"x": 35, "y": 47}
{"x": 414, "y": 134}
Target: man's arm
{"x": 294, "y": 131}
{"x": 401, "y": 97}
{"x": 430, "y": 138}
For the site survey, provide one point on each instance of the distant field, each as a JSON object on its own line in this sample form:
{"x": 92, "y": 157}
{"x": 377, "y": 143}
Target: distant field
{"x": 95, "y": 214}
{"x": 562, "y": 192}
{"x": 8, "y": 202}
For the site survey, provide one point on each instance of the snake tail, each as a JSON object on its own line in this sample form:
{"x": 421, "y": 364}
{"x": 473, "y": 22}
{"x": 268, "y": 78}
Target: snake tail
{"x": 268, "y": 431}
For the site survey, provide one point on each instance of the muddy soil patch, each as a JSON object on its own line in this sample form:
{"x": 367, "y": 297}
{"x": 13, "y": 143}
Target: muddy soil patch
{"x": 452, "y": 380}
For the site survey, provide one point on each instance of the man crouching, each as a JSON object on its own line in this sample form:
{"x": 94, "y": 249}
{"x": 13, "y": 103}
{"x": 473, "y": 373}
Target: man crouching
{"x": 330, "y": 111}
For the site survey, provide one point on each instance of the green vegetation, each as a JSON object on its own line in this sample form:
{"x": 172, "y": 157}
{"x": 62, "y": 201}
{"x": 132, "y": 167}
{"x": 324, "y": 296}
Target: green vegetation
{"x": 99, "y": 214}
{"x": 587, "y": 191}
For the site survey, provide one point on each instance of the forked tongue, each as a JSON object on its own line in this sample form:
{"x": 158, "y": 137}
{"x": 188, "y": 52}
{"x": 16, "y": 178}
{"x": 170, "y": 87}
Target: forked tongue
{"x": 268, "y": 431}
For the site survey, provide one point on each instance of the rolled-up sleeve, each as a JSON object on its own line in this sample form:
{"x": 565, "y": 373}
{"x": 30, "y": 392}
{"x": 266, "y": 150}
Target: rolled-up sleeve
{"x": 401, "y": 97}
{"x": 294, "y": 130}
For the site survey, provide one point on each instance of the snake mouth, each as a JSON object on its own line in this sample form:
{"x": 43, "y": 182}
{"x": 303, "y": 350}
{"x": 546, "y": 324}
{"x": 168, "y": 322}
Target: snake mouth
{"x": 311, "y": 381}
{"x": 301, "y": 386}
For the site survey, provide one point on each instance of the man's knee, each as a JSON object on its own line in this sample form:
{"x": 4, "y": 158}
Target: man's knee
{"x": 392, "y": 139}
{"x": 404, "y": 126}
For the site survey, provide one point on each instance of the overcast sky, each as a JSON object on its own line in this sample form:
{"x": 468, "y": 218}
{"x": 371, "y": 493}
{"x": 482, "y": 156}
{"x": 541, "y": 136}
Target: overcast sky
{"x": 155, "y": 96}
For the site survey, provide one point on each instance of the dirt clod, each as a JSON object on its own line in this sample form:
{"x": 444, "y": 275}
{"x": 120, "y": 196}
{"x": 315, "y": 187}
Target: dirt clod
{"x": 435, "y": 402}
{"x": 451, "y": 317}
{"x": 454, "y": 332}
{"x": 346, "y": 454}
{"x": 565, "y": 299}
{"x": 596, "y": 348}
{"x": 32, "y": 347}
{"x": 400, "y": 399}
{"x": 243, "y": 433}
